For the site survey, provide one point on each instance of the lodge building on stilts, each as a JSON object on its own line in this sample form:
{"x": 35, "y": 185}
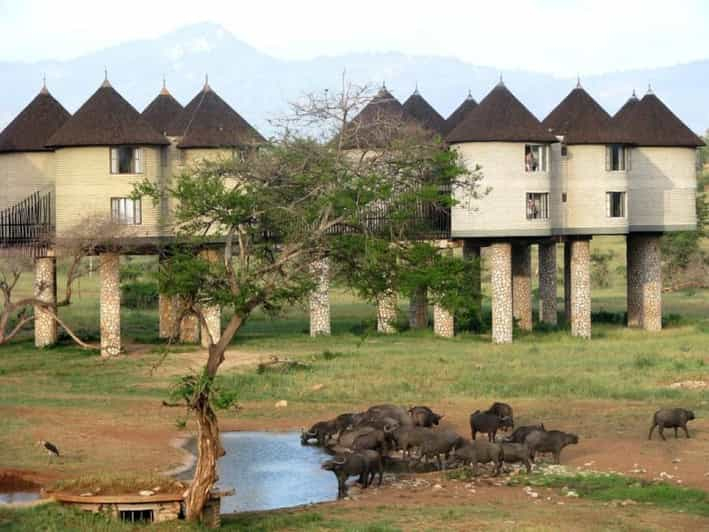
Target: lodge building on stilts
{"x": 576, "y": 174}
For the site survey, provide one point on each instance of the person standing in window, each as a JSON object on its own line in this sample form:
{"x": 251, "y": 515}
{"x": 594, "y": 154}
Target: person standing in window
{"x": 530, "y": 160}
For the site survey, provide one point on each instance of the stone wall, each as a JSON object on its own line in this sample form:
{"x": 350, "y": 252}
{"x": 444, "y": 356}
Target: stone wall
{"x": 443, "y": 322}
{"x": 168, "y": 313}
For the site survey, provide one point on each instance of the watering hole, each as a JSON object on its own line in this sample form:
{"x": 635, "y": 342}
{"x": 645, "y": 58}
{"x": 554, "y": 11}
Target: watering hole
{"x": 14, "y": 489}
{"x": 272, "y": 470}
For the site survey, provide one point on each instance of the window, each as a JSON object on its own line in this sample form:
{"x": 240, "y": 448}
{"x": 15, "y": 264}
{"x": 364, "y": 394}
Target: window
{"x": 126, "y": 211}
{"x": 564, "y": 151}
{"x": 563, "y": 197}
{"x": 615, "y": 204}
{"x": 535, "y": 157}
{"x": 617, "y": 158}
{"x": 126, "y": 160}
{"x": 537, "y": 206}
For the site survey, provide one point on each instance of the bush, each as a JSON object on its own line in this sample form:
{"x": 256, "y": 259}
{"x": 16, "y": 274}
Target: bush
{"x": 139, "y": 295}
{"x": 600, "y": 268}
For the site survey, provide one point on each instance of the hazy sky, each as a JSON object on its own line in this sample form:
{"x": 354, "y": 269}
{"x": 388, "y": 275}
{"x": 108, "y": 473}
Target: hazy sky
{"x": 557, "y": 36}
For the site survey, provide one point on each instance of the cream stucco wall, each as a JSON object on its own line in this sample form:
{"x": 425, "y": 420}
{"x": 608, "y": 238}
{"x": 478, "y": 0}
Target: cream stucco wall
{"x": 23, "y": 173}
{"x": 583, "y": 176}
{"x": 663, "y": 187}
{"x": 85, "y": 186}
{"x": 502, "y": 212}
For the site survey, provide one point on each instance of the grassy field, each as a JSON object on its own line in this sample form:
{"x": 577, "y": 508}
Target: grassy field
{"x": 107, "y": 414}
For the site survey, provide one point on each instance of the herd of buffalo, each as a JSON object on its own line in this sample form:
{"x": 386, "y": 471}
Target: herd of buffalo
{"x": 362, "y": 442}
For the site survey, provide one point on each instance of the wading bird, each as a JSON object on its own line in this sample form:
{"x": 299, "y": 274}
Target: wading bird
{"x": 51, "y": 449}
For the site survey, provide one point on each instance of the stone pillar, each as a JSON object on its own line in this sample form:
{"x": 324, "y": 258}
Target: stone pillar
{"x": 645, "y": 281}
{"x": 522, "y": 286}
{"x": 386, "y": 312}
{"x": 501, "y": 288}
{"x": 567, "y": 281}
{"x": 212, "y": 313}
{"x": 471, "y": 251}
{"x": 418, "y": 309}
{"x": 320, "y": 298}
{"x": 189, "y": 329}
{"x": 45, "y": 290}
{"x": 633, "y": 280}
{"x": 580, "y": 284}
{"x": 443, "y": 322}
{"x": 110, "y": 304}
{"x": 168, "y": 313}
{"x": 547, "y": 283}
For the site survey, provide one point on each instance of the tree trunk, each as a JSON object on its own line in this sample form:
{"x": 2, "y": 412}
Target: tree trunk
{"x": 209, "y": 451}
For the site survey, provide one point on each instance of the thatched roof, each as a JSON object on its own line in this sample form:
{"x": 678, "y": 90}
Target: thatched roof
{"x": 106, "y": 119}
{"x": 162, "y": 110}
{"x": 460, "y": 113}
{"x": 581, "y": 120}
{"x": 376, "y": 124}
{"x": 31, "y": 129}
{"x": 209, "y": 122}
{"x": 651, "y": 123}
{"x": 423, "y": 112}
{"x": 621, "y": 114}
{"x": 500, "y": 117}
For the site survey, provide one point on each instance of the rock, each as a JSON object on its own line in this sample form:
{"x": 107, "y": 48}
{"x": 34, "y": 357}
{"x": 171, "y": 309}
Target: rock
{"x": 146, "y": 493}
{"x": 676, "y": 460}
{"x": 87, "y": 494}
{"x": 282, "y": 403}
{"x": 628, "y": 502}
{"x": 317, "y": 387}
{"x": 437, "y": 487}
{"x": 156, "y": 488}
{"x": 571, "y": 493}
{"x": 533, "y": 494}
{"x": 589, "y": 464}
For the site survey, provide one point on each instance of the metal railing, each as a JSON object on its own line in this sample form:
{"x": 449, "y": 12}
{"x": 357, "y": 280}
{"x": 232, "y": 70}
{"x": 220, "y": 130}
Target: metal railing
{"x": 28, "y": 226}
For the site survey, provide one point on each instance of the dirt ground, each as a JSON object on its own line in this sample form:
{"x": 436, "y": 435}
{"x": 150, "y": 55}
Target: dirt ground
{"x": 613, "y": 438}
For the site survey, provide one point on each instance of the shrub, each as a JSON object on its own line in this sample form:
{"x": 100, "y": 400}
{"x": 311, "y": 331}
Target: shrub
{"x": 139, "y": 295}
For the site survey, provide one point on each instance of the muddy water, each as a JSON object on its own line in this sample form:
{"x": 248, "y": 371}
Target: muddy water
{"x": 15, "y": 490}
{"x": 272, "y": 470}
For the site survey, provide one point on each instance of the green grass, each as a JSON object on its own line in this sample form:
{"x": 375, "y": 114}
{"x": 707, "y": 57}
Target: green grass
{"x": 612, "y": 487}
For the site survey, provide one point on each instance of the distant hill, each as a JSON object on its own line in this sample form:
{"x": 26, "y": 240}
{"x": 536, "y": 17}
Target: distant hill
{"x": 260, "y": 86}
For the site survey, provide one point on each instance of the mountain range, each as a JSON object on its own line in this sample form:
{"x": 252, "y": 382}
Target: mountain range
{"x": 260, "y": 86}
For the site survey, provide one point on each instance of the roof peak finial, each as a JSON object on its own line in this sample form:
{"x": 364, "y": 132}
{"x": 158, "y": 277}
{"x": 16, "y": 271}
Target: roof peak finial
{"x": 501, "y": 83}
{"x": 416, "y": 89}
{"x": 470, "y": 94}
{"x": 578, "y": 81}
{"x": 105, "y": 83}
{"x": 649, "y": 89}
{"x": 207, "y": 88}
{"x": 634, "y": 94}
{"x": 44, "y": 89}
{"x": 164, "y": 90}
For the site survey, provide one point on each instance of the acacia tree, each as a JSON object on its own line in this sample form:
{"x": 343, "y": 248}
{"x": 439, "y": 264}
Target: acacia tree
{"x": 274, "y": 211}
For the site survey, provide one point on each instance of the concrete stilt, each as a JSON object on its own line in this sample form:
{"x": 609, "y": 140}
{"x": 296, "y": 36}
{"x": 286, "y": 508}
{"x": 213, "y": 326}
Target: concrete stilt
{"x": 189, "y": 329}
{"x": 320, "y": 298}
{"x": 443, "y": 322}
{"x": 110, "y": 304}
{"x": 45, "y": 290}
{"x": 386, "y": 312}
{"x": 501, "y": 287}
{"x": 580, "y": 274}
{"x": 471, "y": 251}
{"x": 567, "y": 282}
{"x": 418, "y": 309}
{"x": 547, "y": 283}
{"x": 645, "y": 281}
{"x": 633, "y": 280}
{"x": 522, "y": 286}
{"x": 212, "y": 313}
{"x": 168, "y": 313}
